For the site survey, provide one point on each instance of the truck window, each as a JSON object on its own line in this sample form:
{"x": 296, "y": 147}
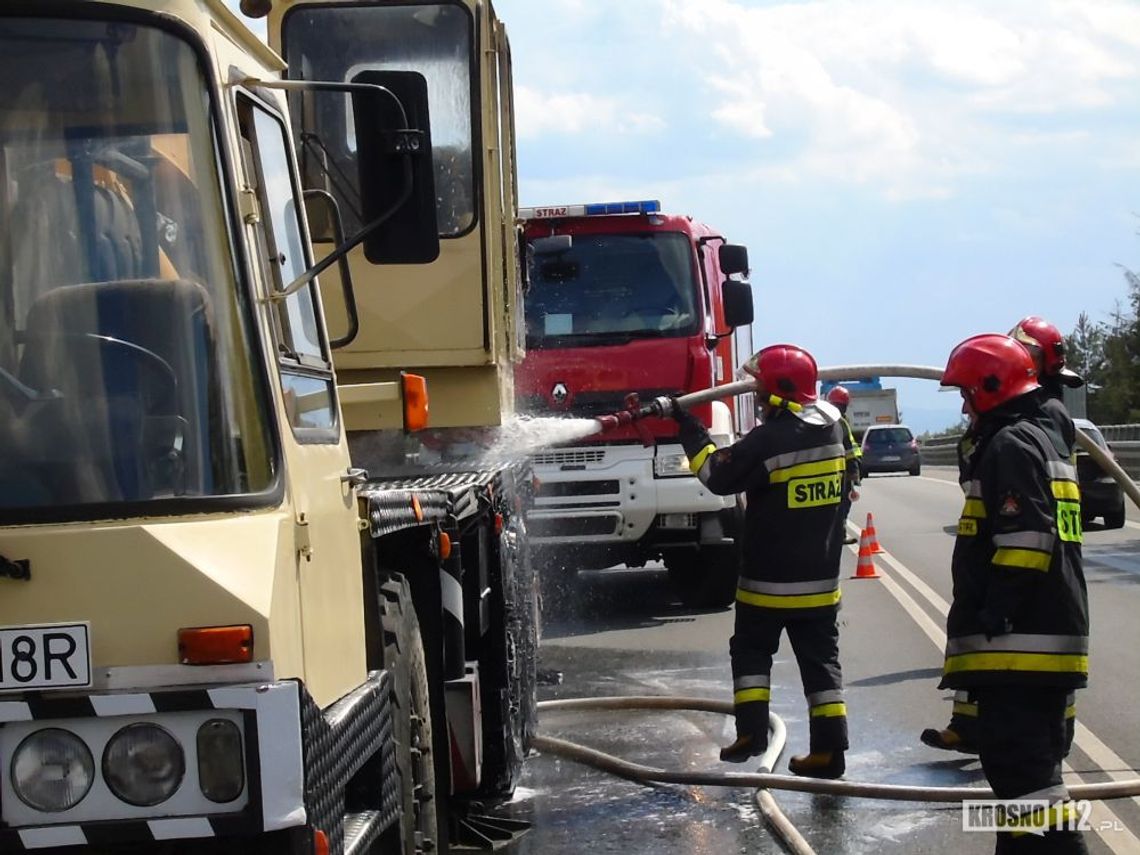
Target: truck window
{"x": 338, "y": 42}
{"x": 628, "y": 285}
{"x": 304, "y": 365}
{"x": 126, "y": 353}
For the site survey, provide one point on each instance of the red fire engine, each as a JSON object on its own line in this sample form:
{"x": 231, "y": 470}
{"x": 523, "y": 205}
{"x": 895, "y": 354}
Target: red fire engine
{"x": 622, "y": 298}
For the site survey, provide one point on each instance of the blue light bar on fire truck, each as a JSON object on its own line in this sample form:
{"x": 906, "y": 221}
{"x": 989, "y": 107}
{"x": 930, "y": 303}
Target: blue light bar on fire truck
{"x": 594, "y": 209}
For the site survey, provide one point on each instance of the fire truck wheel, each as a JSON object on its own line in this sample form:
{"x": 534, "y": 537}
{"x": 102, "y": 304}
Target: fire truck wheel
{"x": 705, "y": 578}
{"x": 418, "y": 828}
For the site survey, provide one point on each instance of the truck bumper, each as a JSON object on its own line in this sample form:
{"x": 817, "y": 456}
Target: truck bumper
{"x": 608, "y": 494}
{"x": 296, "y": 761}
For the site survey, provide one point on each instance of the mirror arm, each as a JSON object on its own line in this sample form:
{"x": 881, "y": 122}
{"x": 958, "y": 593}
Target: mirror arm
{"x": 328, "y": 86}
{"x": 348, "y": 246}
{"x": 345, "y": 271}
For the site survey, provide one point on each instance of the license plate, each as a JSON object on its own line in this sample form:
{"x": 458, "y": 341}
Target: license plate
{"x": 892, "y": 458}
{"x": 45, "y": 656}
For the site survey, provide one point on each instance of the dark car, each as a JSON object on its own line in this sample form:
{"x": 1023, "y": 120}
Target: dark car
{"x": 890, "y": 448}
{"x": 1101, "y": 496}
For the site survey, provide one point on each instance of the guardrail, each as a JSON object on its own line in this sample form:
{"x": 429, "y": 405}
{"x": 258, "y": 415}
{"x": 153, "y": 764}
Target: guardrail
{"x": 1123, "y": 440}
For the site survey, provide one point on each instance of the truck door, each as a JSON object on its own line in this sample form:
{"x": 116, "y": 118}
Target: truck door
{"x": 327, "y": 552}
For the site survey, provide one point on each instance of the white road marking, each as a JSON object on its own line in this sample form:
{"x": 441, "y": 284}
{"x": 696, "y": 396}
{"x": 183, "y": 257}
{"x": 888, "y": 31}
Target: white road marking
{"x": 1103, "y": 821}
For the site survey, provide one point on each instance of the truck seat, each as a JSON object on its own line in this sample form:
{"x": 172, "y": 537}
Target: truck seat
{"x": 133, "y": 364}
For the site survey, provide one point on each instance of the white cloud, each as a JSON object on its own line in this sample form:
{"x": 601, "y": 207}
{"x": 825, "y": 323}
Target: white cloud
{"x": 906, "y": 95}
{"x": 540, "y": 112}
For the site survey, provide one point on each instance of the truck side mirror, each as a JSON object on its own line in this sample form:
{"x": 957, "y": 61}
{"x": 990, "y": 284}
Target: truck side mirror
{"x": 397, "y": 179}
{"x": 738, "y": 310}
{"x": 552, "y": 244}
{"x": 733, "y": 258}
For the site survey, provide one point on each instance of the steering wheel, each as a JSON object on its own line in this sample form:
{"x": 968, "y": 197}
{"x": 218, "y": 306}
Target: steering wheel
{"x": 142, "y": 355}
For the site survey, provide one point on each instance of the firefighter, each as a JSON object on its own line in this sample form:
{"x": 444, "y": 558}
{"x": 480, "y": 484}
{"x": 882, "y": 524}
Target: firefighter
{"x": 791, "y": 468}
{"x": 1046, "y": 346}
{"x": 1017, "y": 631}
{"x": 841, "y": 398}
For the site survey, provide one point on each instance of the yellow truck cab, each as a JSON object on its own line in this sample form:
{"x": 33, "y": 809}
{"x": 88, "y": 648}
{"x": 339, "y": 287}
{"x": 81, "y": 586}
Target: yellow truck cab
{"x": 218, "y": 631}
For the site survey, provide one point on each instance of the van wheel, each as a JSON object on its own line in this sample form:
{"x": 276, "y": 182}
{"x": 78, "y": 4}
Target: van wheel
{"x": 418, "y": 829}
{"x": 916, "y": 469}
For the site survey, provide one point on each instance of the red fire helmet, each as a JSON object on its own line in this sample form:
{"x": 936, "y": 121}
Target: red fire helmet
{"x": 840, "y": 397}
{"x": 991, "y": 369}
{"x": 1047, "y": 347}
{"x": 785, "y": 370}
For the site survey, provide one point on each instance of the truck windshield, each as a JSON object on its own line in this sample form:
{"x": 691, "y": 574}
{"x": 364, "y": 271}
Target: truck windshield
{"x": 340, "y": 42}
{"x": 612, "y": 287}
{"x": 126, "y": 370}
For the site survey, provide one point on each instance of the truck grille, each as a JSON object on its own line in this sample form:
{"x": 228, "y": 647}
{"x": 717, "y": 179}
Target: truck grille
{"x": 565, "y": 458}
{"x": 551, "y": 490}
{"x": 573, "y": 526}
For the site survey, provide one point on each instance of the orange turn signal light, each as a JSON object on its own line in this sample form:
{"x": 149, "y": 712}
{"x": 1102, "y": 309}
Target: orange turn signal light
{"x": 444, "y": 545}
{"x": 320, "y": 842}
{"x": 215, "y": 645}
{"x": 415, "y": 392}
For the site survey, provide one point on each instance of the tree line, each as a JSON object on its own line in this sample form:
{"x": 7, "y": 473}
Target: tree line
{"x": 1107, "y": 355}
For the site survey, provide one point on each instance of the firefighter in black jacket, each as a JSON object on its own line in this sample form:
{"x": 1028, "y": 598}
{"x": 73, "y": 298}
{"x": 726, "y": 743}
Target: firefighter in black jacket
{"x": 840, "y": 398}
{"x": 792, "y": 470}
{"x": 1017, "y": 631}
{"x": 1046, "y": 346}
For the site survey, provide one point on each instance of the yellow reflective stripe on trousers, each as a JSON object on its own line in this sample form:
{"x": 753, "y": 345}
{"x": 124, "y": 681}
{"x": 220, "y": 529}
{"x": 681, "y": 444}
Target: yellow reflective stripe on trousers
{"x": 700, "y": 457}
{"x": 1057, "y": 663}
{"x": 794, "y": 601}
{"x": 1027, "y": 559}
{"x": 1054, "y": 816}
{"x": 829, "y": 710}
{"x": 965, "y": 708}
{"x": 745, "y": 696}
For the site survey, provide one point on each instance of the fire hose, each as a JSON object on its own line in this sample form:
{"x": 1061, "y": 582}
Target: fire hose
{"x": 764, "y": 780}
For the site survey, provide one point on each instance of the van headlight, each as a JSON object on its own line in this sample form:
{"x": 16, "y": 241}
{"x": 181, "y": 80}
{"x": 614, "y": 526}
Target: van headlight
{"x": 52, "y": 770}
{"x": 143, "y": 764}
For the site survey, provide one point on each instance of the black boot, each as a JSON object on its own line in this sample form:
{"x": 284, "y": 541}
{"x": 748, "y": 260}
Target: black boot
{"x": 948, "y": 740}
{"x": 745, "y": 746}
{"x": 818, "y": 764}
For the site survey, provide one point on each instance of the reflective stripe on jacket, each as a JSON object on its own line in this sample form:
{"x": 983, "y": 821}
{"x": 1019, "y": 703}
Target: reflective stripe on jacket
{"x": 793, "y": 476}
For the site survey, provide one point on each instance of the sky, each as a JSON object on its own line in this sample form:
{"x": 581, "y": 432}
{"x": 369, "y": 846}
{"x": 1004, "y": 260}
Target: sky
{"x": 904, "y": 173}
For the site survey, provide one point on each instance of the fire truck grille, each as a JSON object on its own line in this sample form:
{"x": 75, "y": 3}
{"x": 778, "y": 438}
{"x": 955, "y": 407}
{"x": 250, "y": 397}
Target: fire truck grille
{"x": 570, "y": 458}
{"x": 549, "y": 490}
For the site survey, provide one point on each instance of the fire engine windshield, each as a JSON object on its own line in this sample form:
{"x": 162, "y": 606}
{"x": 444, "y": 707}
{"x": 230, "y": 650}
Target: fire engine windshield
{"x": 125, "y": 352}
{"x": 612, "y": 288}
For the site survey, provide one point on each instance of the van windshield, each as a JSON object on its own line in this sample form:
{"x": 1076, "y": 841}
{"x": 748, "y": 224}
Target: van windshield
{"x": 126, "y": 358}
{"x": 607, "y": 286}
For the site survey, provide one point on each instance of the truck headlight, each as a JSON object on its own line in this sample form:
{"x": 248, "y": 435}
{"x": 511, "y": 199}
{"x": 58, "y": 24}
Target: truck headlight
{"x": 143, "y": 764}
{"x": 671, "y": 465}
{"x": 221, "y": 774}
{"x": 52, "y": 770}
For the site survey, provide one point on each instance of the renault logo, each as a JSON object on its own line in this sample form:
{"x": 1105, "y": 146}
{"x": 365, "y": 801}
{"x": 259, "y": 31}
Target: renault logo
{"x": 559, "y": 393}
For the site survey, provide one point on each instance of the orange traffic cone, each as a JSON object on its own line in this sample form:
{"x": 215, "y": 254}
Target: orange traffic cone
{"x": 865, "y": 567}
{"x": 872, "y": 535}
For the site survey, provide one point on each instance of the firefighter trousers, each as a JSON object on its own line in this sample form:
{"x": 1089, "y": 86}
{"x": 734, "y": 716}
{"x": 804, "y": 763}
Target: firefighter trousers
{"x": 815, "y": 642}
{"x": 1021, "y": 741}
{"x": 964, "y": 719}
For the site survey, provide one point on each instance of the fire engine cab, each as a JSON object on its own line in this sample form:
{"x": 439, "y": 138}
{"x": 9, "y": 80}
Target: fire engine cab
{"x": 625, "y": 299}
